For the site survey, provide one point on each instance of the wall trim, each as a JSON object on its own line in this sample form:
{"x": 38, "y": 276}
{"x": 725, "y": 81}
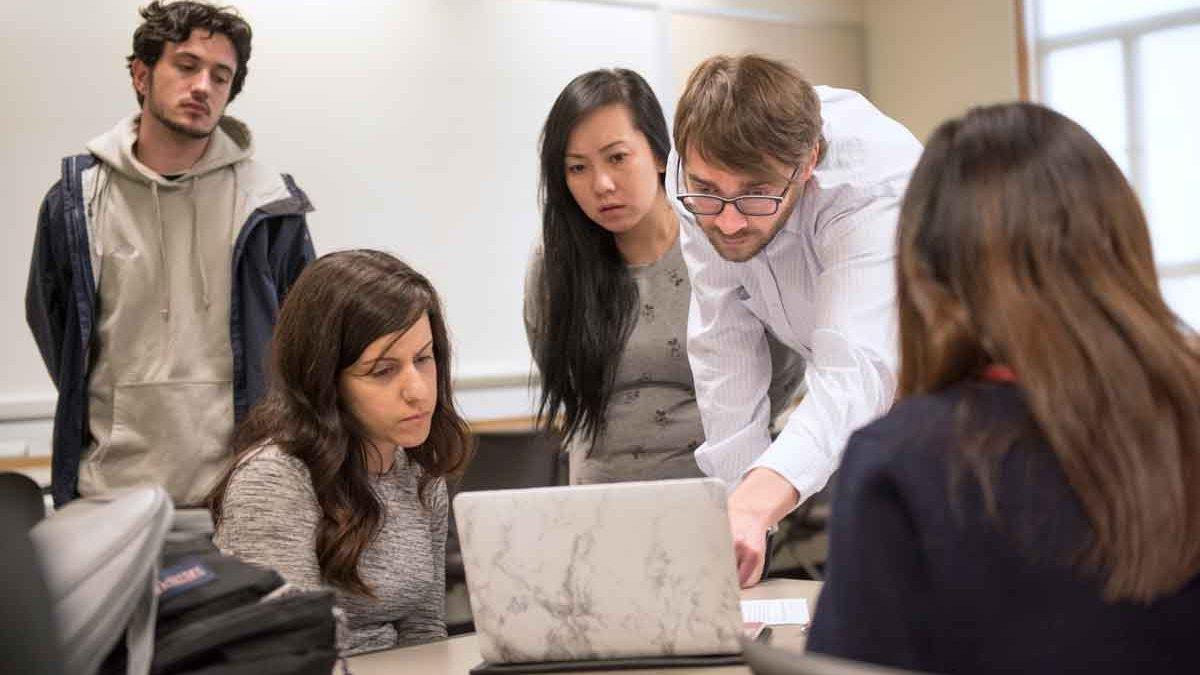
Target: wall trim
{"x": 27, "y": 409}
{"x": 37, "y": 407}
{"x": 1177, "y": 270}
{"x": 494, "y": 381}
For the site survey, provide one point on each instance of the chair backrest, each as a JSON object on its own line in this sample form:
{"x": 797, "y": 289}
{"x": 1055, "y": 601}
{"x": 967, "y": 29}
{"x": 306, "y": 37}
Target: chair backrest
{"x": 23, "y": 503}
{"x": 29, "y": 642}
{"x": 100, "y": 557}
{"x": 505, "y": 460}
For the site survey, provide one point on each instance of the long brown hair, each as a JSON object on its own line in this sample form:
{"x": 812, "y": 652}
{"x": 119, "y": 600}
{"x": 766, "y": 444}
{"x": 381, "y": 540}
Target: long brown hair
{"x": 1021, "y": 243}
{"x": 341, "y": 304}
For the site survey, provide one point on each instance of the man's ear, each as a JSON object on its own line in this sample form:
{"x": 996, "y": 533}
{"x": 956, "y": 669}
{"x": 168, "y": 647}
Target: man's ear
{"x": 141, "y": 77}
{"x": 810, "y": 163}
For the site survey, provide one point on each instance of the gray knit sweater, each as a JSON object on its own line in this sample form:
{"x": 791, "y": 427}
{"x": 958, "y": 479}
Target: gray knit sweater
{"x": 270, "y": 518}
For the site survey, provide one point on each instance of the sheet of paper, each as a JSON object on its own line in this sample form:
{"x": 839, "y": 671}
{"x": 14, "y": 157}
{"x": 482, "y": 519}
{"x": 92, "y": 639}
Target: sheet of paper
{"x": 776, "y": 612}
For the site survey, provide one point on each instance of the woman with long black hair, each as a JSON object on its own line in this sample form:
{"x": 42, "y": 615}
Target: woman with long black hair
{"x": 607, "y": 293}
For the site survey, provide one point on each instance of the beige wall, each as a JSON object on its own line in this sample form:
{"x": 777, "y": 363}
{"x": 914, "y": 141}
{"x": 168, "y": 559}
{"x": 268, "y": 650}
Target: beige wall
{"x": 806, "y": 11}
{"x": 930, "y": 59}
{"x": 830, "y": 54}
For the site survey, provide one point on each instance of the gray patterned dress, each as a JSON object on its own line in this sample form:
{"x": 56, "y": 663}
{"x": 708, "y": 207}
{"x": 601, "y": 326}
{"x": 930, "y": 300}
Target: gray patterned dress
{"x": 652, "y": 421}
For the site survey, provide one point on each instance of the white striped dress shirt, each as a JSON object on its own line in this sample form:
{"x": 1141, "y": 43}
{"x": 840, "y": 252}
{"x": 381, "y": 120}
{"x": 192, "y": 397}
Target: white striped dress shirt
{"x": 825, "y": 287}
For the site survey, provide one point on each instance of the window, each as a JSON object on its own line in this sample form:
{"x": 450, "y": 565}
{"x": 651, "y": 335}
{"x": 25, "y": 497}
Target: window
{"x": 1123, "y": 70}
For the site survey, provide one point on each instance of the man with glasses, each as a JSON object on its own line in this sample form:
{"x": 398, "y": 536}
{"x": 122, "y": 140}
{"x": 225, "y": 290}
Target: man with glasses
{"x": 791, "y": 195}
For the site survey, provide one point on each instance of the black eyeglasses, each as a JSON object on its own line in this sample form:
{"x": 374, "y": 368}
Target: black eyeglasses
{"x": 747, "y": 205}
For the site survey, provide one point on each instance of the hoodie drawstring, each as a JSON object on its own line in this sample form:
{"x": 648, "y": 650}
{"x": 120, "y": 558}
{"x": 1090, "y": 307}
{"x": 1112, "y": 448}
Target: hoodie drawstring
{"x": 197, "y": 257}
{"x": 165, "y": 310}
{"x": 229, "y": 145}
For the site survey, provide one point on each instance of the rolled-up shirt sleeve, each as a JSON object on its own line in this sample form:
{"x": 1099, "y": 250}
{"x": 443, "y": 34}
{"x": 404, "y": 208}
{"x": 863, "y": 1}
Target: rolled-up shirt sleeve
{"x": 850, "y": 378}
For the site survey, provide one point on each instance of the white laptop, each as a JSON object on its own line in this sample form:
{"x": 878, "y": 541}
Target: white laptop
{"x": 601, "y": 571}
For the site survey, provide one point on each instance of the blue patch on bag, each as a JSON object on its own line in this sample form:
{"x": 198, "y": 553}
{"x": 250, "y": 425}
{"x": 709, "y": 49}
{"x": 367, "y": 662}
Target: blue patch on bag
{"x": 182, "y": 577}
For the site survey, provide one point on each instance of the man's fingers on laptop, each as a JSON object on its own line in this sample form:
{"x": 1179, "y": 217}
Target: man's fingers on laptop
{"x": 750, "y": 563}
{"x": 749, "y": 541}
{"x": 749, "y": 544}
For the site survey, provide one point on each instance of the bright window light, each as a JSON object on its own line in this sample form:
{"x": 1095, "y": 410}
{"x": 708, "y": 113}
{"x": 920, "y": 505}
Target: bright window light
{"x": 1171, "y": 132}
{"x": 1063, "y": 17}
{"x": 1124, "y": 70}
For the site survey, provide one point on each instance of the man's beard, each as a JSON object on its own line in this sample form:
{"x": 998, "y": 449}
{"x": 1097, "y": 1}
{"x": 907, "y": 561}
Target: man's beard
{"x": 171, "y": 124}
{"x": 179, "y": 128}
{"x": 768, "y": 237}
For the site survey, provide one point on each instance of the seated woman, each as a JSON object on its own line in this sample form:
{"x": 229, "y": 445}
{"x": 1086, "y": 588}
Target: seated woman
{"x": 607, "y": 293}
{"x": 337, "y": 480}
{"x": 1032, "y": 505}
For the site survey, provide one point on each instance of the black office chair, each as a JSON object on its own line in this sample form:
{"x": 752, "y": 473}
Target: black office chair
{"x": 503, "y": 460}
{"x": 28, "y": 638}
{"x": 23, "y": 502}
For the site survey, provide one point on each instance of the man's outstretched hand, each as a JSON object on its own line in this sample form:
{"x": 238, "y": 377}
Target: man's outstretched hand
{"x": 761, "y": 500}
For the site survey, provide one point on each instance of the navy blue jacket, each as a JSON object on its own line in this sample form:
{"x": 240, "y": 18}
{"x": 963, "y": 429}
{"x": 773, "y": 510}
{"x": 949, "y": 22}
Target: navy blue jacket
{"x": 271, "y": 250}
{"x": 921, "y": 576}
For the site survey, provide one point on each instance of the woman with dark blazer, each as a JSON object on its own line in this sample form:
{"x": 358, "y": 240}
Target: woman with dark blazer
{"x": 1032, "y": 503}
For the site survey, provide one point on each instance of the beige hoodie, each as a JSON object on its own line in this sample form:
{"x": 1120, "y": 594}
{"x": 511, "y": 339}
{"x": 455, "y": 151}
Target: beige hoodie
{"x": 160, "y": 393}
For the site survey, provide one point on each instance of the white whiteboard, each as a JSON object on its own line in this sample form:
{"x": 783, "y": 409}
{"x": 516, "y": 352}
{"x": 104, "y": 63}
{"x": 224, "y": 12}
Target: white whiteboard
{"x": 417, "y": 133}
{"x": 412, "y": 125}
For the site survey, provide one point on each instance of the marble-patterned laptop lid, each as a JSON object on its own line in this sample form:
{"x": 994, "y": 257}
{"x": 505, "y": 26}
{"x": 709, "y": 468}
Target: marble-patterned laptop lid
{"x": 600, "y": 571}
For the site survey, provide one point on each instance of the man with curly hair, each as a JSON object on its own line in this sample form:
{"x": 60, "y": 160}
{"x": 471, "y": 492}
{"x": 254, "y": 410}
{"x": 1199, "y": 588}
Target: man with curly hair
{"x": 160, "y": 261}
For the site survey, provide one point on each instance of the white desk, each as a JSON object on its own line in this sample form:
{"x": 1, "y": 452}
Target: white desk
{"x": 459, "y": 654}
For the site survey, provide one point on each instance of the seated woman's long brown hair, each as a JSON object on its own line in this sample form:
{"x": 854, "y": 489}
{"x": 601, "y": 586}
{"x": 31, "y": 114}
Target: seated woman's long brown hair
{"x": 341, "y": 304}
{"x": 1022, "y": 244}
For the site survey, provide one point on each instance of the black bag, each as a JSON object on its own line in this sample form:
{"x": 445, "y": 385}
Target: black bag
{"x": 218, "y": 615}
